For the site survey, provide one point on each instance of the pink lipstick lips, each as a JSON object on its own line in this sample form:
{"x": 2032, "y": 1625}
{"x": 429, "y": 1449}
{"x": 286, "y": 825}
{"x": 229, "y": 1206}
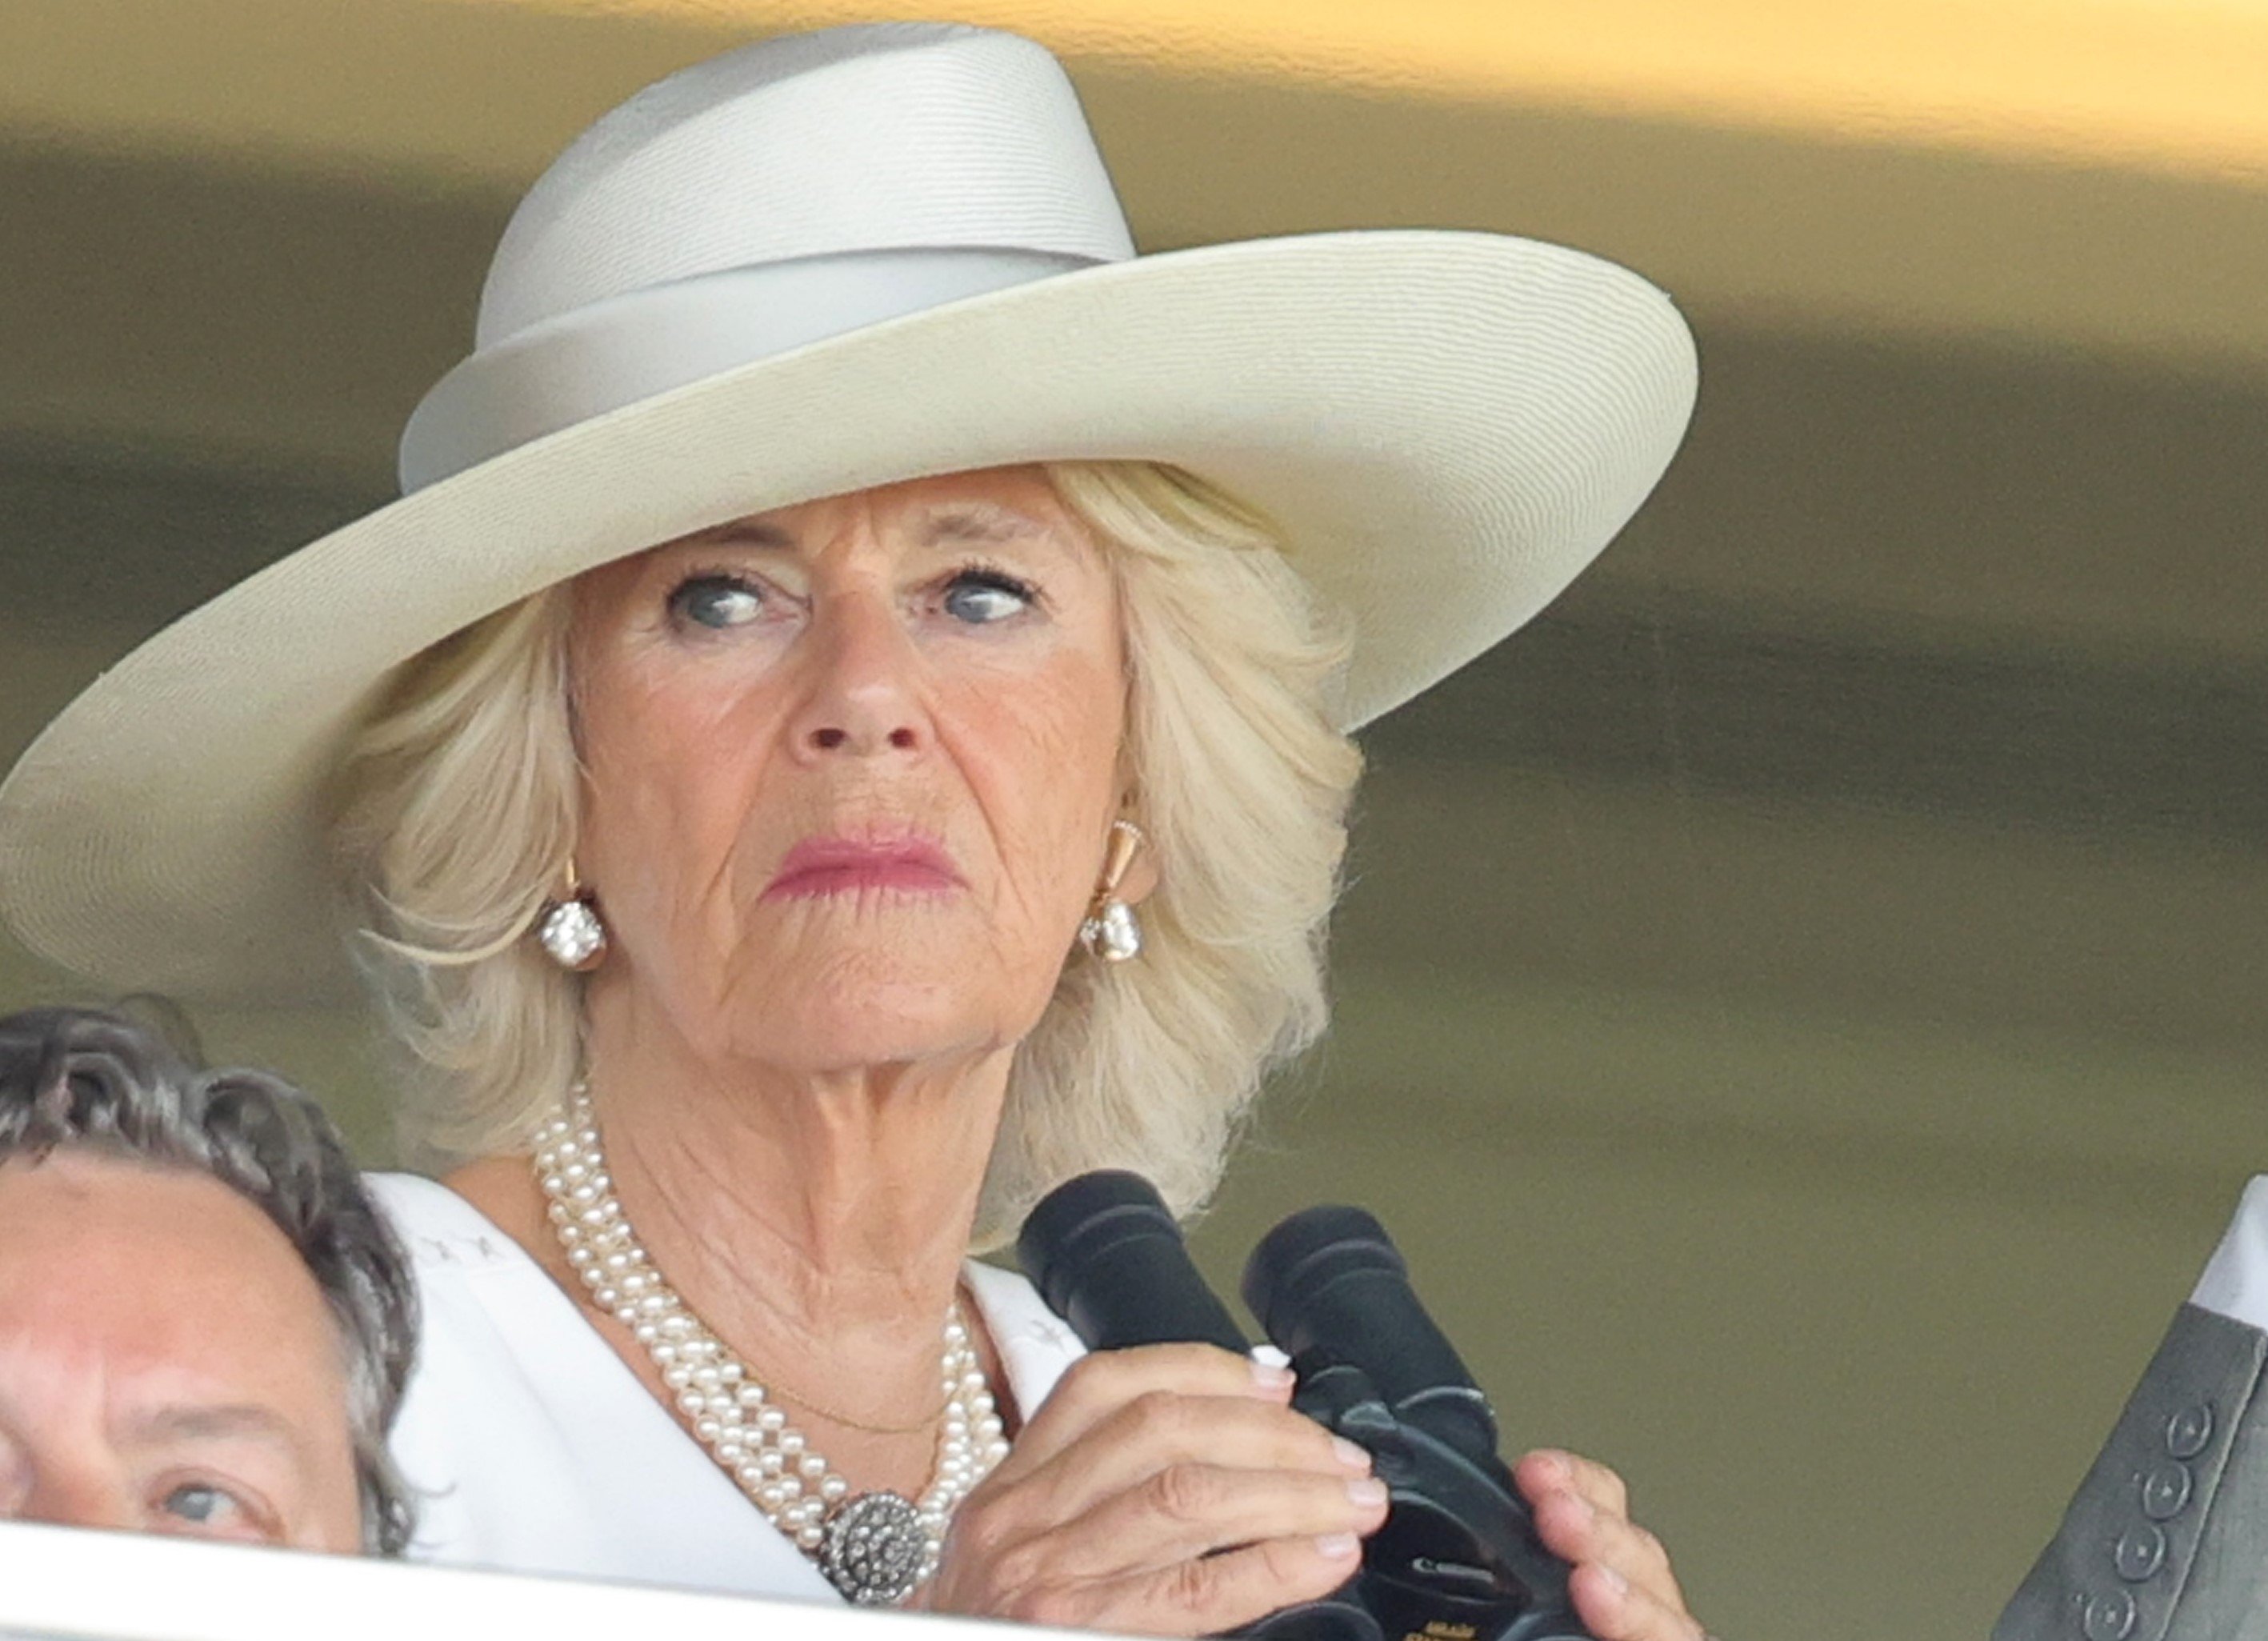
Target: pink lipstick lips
{"x": 845, "y": 866}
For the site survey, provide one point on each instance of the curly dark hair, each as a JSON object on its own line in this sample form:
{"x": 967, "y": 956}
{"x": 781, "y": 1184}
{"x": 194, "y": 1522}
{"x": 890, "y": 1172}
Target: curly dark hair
{"x": 100, "y": 1080}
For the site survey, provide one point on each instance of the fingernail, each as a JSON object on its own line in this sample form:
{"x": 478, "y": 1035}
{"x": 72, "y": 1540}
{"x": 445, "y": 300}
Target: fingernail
{"x": 1352, "y": 1454}
{"x": 1269, "y": 1376}
{"x": 1555, "y": 1463}
{"x": 1615, "y": 1582}
{"x": 1366, "y": 1490}
{"x": 1337, "y": 1546}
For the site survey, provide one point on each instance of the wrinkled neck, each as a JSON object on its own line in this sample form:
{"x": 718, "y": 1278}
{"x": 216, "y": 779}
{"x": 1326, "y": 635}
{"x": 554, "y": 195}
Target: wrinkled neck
{"x": 817, "y": 1214}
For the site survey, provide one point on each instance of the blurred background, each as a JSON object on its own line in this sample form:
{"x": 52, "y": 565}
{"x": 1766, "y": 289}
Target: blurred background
{"x": 1798, "y": 1002}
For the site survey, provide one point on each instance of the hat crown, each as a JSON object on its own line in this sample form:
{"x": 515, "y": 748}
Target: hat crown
{"x": 875, "y": 137}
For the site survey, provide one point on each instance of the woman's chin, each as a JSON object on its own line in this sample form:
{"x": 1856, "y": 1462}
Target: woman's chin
{"x": 828, "y": 1048}
{"x": 894, "y": 1014}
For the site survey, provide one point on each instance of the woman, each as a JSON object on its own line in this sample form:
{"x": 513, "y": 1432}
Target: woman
{"x": 950, "y": 803}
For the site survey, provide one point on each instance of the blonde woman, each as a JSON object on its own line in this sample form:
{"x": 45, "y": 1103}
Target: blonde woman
{"x": 847, "y": 729}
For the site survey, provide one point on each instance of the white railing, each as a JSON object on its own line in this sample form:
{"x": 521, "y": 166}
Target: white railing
{"x": 63, "y": 1582}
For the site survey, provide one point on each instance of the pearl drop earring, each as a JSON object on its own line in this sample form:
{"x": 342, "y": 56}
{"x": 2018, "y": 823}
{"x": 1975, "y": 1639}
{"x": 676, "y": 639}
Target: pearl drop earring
{"x": 570, "y": 929}
{"x": 1111, "y": 931}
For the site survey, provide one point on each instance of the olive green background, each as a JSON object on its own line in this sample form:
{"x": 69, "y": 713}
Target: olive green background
{"x": 1798, "y": 1004}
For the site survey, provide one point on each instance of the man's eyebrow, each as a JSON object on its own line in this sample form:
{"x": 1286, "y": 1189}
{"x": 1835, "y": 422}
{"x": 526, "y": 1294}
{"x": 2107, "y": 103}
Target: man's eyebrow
{"x": 215, "y": 1421}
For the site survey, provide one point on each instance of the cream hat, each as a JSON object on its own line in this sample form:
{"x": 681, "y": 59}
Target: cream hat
{"x": 817, "y": 264}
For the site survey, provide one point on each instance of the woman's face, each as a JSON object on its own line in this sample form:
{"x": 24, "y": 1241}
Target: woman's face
{"x": 851, "y": 768}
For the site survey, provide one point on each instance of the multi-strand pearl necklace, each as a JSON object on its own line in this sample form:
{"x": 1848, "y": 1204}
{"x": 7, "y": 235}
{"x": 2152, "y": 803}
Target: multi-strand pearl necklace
{"x": 875, "y": 1548}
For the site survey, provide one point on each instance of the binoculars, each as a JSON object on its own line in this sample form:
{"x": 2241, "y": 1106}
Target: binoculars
{"x": 1458, "y": 1558}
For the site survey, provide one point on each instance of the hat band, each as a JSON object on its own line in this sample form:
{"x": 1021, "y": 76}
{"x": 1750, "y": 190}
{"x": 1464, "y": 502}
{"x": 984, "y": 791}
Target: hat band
{"x": 615, "y": 352}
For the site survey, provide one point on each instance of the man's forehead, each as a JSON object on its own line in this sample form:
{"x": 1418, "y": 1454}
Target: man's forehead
{"x": 188, "y": 1297}
{"x": 81, "y": 1226}
{"x": 75, "y": 1185}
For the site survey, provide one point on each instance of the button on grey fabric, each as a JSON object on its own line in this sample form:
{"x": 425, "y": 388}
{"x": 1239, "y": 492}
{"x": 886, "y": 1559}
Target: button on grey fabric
{"x": 2167, "y": 1539}
{"x": 2189, "y": 1430}
{"x": 2110, "y": 1617}
{"x": 2141, "y": 1552}
{"x": 2166, "y": 1491}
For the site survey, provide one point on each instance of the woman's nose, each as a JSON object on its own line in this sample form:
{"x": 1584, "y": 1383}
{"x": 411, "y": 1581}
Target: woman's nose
{"x": 863, "y": 696}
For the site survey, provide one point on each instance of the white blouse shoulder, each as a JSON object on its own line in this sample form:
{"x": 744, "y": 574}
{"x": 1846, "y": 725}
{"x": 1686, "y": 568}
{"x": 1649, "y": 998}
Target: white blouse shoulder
{"x": 531, "y": 1448}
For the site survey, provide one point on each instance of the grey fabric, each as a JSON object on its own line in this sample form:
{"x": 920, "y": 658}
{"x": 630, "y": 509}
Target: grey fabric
{"x": 2167, "y": 1539}
{"x": 2227, "y": 1596}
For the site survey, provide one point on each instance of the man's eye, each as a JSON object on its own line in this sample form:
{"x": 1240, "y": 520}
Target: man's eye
{"x": 716, "y": 601}
{"x": 201, "y": 1505}
{"x": 980, "y": 596}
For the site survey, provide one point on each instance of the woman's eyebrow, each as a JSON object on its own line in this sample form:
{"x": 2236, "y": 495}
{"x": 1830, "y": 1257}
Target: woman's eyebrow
{"x": 747, "y": 533}
{"x": 983, "y": 524}
{"x": 966, "y": 524}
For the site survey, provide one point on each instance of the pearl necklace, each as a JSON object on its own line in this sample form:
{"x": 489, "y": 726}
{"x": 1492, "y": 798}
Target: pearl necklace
{"x": 875, "y": 1548}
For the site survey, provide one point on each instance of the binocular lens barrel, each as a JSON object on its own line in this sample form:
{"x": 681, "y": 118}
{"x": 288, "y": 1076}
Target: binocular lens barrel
{"x": 1105, "y": 1255}
{"x": 1329, "y": 1278}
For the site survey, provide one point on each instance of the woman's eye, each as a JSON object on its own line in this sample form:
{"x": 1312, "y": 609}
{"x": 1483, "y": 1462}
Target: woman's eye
{"x": 977, "y": 597}
{"x": 716, "y": 601}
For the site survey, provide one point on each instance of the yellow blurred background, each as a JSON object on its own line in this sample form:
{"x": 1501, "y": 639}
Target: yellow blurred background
{"x": 1800, "y": 1003}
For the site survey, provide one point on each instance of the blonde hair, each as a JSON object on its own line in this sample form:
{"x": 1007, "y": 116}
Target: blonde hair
{"x": 457, "y": 813}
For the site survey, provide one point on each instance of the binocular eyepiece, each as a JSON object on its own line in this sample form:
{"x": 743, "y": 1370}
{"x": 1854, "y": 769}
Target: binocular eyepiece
{"x": 1458, "y": 1558}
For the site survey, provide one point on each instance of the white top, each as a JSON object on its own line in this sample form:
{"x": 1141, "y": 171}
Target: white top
{"x": 533, "y": 1449}
{"x": 2235, "y": 1280}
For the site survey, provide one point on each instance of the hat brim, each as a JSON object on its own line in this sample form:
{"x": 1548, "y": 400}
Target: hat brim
{"x": 1448, "y": 427}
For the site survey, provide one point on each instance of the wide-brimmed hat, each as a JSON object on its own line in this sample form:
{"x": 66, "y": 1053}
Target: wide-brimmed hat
{"x": 817, "y": 264}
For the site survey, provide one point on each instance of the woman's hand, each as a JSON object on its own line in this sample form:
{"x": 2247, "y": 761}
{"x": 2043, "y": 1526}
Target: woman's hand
{"x": 1164, "y": 1490}
{"x": 1623, "y": 1587}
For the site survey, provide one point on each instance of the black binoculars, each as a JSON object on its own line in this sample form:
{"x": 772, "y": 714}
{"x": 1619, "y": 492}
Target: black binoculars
{"x": 1458, "y": 1558}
